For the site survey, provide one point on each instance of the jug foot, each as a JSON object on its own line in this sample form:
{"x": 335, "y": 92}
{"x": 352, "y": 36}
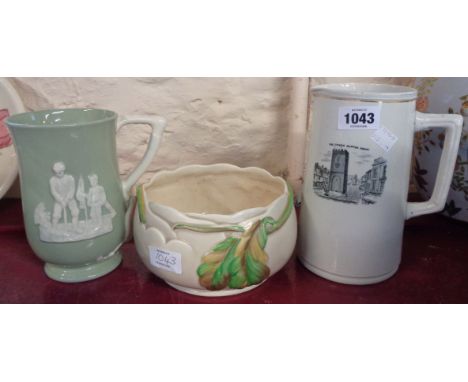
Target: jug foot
{"x": 84, "y": 273}
{"x": 345, "y": 279}
{"x": 212, "y": 293}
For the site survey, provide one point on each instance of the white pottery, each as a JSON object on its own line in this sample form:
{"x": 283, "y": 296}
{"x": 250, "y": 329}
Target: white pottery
{"x": 442, "y": 95}
{"x": 10, "y": 103}
{"x": 191, "y": 221}
{"x": 354, "y": 202}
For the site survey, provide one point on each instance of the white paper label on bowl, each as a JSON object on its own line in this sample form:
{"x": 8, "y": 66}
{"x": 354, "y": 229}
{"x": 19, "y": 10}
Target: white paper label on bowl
{"x": 167, "y": 260}
{"x": 359, "y": 118}
{"x": 384, "y": 138}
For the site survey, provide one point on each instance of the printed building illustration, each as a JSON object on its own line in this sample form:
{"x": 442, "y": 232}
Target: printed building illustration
{"x": 366, "y": 182}
{"x": 321, "y": 174}
{"x": 338, "y": 184}
{"x": 339, "y": 171}
{"x": 379, "y": 175}
{"x": 372, "y": 182}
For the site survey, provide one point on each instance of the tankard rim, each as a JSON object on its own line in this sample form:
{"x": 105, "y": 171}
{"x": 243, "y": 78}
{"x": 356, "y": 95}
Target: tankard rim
{"x": 366, "y": 92}
{"x": 40, "y": 118}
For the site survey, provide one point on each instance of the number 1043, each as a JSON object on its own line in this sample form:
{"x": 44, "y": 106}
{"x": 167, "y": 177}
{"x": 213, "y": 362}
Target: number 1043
{"x": 355, "y": 118}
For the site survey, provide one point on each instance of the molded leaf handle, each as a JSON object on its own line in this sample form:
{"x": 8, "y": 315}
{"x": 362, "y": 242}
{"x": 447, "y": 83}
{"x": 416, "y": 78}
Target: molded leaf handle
{"x": 453, "y": 130}
{"x": 158, "y": 124}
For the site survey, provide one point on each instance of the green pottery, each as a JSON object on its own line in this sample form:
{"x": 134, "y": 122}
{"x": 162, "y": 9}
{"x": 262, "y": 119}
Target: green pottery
{"x": 76, "y": 208}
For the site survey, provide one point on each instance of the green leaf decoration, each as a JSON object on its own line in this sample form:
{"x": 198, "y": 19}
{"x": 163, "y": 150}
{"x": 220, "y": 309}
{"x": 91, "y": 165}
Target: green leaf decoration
{"x": 141, "y": 204}
{"x": 208, "y": 228}
{"x": 255, "y": 262}
{"x": 238, "y": 262}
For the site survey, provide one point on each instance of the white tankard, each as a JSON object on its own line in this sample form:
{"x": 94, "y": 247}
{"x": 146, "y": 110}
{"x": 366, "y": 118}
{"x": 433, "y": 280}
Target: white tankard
{"x": 354, "y": 200}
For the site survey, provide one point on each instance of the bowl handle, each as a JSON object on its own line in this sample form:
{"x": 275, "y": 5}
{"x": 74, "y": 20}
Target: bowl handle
{"x": 453, "y": 129}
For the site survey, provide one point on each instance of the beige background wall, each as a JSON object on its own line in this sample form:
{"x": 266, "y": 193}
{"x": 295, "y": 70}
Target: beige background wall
{"x": 237, "y": 120}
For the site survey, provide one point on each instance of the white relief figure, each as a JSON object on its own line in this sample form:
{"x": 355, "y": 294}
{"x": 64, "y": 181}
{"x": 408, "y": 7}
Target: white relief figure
{"x": 88, "y": 219}
{"x": 41, "y": 216}
{"x": 81, "y": 197}
{"x": 97, "y": 199}
{"x": 62, "y": 188}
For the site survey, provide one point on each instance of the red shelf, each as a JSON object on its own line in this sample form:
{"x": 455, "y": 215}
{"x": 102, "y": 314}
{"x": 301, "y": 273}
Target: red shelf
{"x": 434, "y": 269}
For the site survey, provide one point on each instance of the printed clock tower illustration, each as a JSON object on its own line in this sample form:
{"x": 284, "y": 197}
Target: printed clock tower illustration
{"x": 350, "y": 176}
{"x": 339, "y": 171}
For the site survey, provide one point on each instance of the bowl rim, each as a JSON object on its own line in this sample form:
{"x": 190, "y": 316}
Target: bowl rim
{"x": 241, "y": 215}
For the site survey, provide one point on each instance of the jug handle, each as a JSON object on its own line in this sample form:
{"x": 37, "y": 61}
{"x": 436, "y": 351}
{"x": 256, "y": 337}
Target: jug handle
{"x": 452, "y": 123}
{"x": 158, "y": 124}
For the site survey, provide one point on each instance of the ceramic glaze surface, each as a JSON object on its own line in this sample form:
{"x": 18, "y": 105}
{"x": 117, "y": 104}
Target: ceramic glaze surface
{"x": 357, "y": 178}
{"x": 75, "y": 206}
{"x": 215, "y": 230}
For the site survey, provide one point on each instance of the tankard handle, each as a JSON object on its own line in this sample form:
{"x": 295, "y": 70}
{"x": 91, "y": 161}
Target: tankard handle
{"x": 158, "y": 125}
{"x": 452, "y": 123}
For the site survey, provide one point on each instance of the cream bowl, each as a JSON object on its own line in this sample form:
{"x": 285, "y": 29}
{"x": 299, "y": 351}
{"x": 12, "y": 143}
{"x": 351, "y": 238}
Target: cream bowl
{"x": 215, "y": 230}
